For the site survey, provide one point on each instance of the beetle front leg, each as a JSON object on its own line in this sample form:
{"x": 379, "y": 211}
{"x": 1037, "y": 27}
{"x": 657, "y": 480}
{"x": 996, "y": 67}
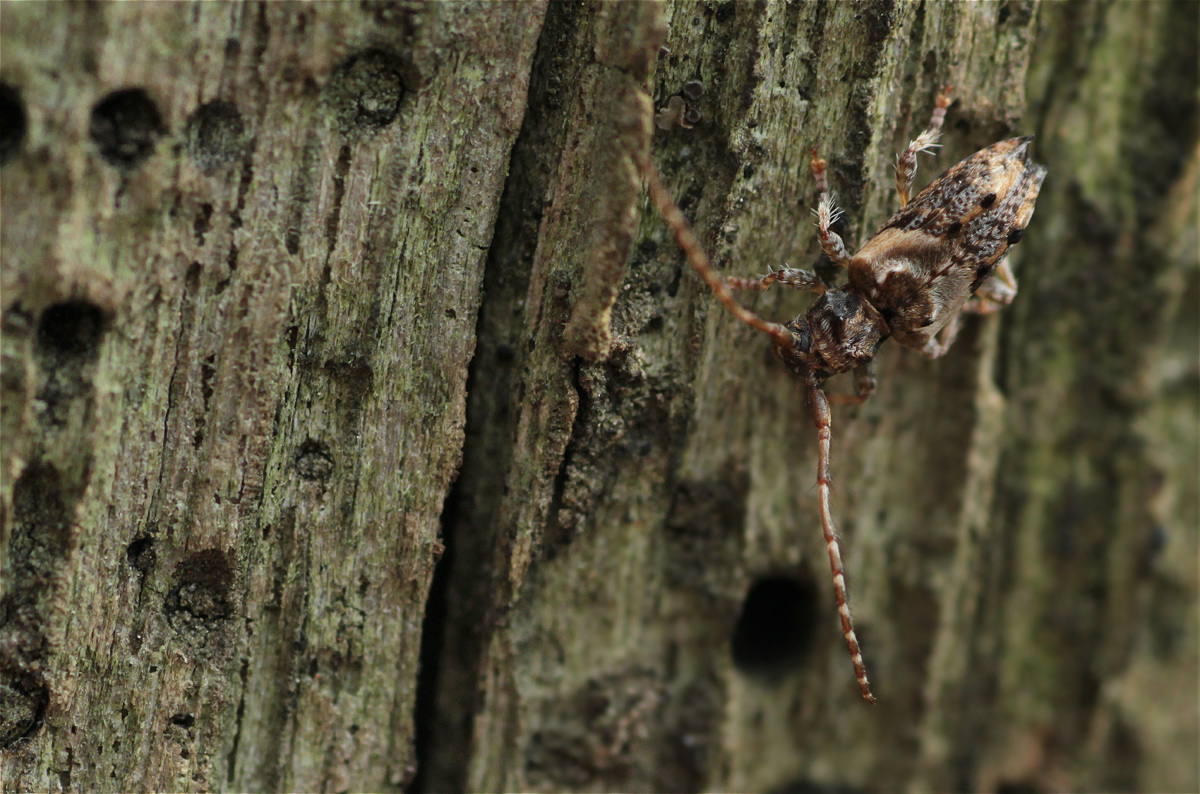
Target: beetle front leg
{"x": 906, "y": 165}
{"x": 785, "y": 276}
{"x": 827, "y": 213}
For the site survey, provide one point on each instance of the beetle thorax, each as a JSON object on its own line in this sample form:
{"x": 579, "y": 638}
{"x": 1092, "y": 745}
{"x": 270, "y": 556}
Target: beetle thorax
{"x": 841, "y": 331}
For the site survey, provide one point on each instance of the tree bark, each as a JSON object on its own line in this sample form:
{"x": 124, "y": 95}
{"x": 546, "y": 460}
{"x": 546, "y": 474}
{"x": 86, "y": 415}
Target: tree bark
{"x": 296, "y": 297}
{"x": 240, "y": 302}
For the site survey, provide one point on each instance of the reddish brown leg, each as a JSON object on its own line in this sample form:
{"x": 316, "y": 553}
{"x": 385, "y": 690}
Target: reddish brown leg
{"x": 784, "y": 276}
{"x": 827, "y": 213}
{"x": 824, "y": 421}
{"x": 906, "y": 166}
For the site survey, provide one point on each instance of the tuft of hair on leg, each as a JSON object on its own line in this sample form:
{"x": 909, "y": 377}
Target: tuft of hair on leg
{"x": 827, "y": 213}
{"x": 927, "y": 141}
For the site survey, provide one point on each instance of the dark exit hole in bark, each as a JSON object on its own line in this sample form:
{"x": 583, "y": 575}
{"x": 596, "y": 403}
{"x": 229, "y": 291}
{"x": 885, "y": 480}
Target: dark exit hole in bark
{"x": 201, "y": 596}
{"x": 70, "y": 330}
{"x": 1018, "y": 787}
{"x": 183, "y": 720}
{"x": 125, "y": 126}
{"x": 13, "y": 122}
{"x": 775, "y": 630}
{"x": 140, "y": 554}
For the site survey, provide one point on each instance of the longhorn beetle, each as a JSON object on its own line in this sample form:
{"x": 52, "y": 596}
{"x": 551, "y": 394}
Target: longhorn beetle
{"x": 940, "y": 255}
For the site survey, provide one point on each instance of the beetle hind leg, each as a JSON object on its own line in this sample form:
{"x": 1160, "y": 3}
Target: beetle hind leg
{"x": 996, "y": 292}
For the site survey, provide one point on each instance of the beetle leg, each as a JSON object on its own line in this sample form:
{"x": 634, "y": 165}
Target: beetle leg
{"x": 906, "y": 165}
{"x": 785, "y": 276}
{"x": 827, "y": 213}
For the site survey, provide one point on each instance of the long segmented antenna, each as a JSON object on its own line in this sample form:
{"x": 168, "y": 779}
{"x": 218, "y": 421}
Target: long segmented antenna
{"x": 823, "y": 419}
{"x": 700, "y": 262}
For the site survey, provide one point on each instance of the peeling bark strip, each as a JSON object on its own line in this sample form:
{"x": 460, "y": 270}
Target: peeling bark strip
{"x": 599, "y": 172}
{"x": 244, "y": 276}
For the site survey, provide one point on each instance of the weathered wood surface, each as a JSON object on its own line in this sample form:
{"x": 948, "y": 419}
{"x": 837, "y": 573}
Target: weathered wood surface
{"x": 334, "y": 287}
{"x": 235, "y": 376}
